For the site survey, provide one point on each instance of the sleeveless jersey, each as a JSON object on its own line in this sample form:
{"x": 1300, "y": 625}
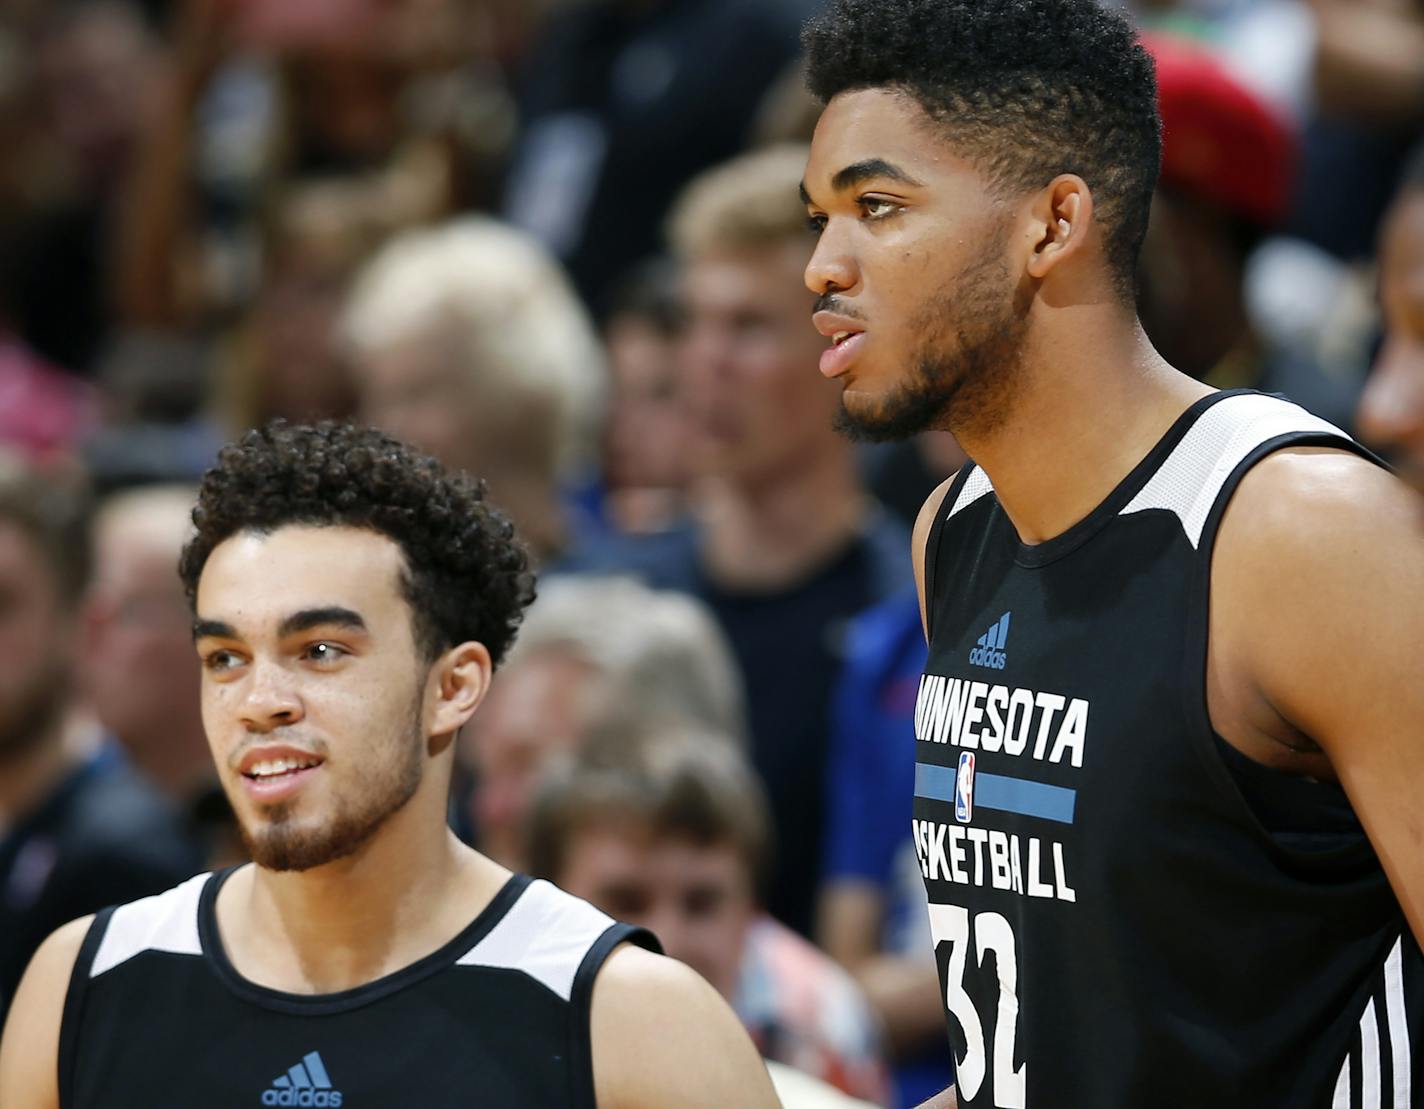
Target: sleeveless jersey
{"x": 1127, "y": 912}
{"x": 157, "y": 1016}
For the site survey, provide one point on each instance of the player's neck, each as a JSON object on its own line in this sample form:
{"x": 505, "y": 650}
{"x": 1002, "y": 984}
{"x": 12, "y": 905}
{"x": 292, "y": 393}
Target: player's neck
{"x": 408, "y": 891}
{"x": 1091, "y": 404}
{"x": 775, "y": 531}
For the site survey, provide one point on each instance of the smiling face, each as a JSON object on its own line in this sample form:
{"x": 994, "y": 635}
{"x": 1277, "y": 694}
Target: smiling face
{"x": 316, "y": 698}
{"x": 916, "y": 283}
{"x": 1391, "y": 414}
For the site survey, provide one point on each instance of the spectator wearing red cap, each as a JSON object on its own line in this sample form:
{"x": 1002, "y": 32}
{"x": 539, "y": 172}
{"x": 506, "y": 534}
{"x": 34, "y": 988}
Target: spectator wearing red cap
{"x": 1227, "y": 172}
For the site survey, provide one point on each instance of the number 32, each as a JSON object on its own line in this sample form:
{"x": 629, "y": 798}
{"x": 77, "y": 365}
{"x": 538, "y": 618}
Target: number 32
{"x": 950, "y": 924}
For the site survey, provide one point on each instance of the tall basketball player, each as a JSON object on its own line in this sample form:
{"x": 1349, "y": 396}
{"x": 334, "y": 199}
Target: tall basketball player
{"x": 1170, "y": 739}
{"x": 351, "y": 603}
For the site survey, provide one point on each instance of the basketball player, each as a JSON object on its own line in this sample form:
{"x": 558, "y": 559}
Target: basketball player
{"x": 351, "y": 602}
{"x": 1174, "y": 634}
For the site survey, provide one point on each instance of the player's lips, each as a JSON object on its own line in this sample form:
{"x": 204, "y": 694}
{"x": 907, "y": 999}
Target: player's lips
{"x": 273, "y": 772}
{"x": 847, "y": 336}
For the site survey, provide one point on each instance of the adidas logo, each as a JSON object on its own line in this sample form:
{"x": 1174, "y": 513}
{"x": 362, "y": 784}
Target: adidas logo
{"x": 990, "y": 651}
{"x": 305, "y": 1084}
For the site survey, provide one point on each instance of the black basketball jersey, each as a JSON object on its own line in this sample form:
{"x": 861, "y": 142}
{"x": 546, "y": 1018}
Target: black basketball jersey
{"x": 156, "y": 1016}
{"x": 1127, "y": 912}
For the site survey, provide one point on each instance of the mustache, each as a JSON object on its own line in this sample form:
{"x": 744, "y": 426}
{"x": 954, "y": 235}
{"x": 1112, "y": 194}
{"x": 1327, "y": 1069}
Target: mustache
{"x": 829, "y": 302}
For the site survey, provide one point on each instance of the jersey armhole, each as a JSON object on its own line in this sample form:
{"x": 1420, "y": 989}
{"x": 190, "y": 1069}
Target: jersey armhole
{"x": 73, "y": 1011}
{"x": 937, "y": 526}
{"x": 582, "y": 1093}
{"x": 1198, "y": 639}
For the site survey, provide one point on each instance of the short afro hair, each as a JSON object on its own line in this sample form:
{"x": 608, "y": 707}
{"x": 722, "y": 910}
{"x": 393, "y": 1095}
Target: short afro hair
{"x": 466, "y": 577}
{"x": 1027, "y": 89}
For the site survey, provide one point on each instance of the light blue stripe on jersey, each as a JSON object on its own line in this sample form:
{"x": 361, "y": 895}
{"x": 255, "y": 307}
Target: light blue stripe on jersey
{"x": 997, "y": 791}
{"x": 317, "y": 1070}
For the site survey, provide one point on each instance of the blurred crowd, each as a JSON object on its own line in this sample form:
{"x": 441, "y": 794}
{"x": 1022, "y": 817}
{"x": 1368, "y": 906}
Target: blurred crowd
{"x": 558, "y": 244}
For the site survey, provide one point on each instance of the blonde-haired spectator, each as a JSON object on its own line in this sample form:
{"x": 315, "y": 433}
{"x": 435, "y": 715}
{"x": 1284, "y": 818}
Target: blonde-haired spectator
{"x": 784, "y": 543}
{"x": 592, "y": 652}
{"x": 467, "y": 340}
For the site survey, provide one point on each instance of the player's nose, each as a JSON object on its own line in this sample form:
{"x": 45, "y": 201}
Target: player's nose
{"x": 270, "y": 700}
{"x": 832, "y": 268}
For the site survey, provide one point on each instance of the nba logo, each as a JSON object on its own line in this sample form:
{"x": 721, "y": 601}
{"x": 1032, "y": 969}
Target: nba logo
{"x": 964, "y": 788}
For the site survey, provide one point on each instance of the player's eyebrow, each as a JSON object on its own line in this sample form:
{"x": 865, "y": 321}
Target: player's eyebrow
{"x": 327, "y": 616}
{"x": 858, "y": 172}
{"x": 212, "y": 629}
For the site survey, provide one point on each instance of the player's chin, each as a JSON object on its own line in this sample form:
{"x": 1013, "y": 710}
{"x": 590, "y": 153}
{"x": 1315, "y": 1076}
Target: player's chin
{"x": 865, "y": 417}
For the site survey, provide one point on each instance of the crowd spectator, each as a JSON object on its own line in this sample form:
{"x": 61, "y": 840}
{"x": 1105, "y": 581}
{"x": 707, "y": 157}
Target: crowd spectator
{"x": 79, "y": 829}
{"x": 467, "y": 341}
{"x": 1368, "y": 92}
{"x": 141, "y": 674}
{"x": 591, "y": 651}
{"x": 622, "y": 102}
{"x": 669, "y": 828}
{"x": 644, "y": 467}
{"x": 872, "y": 914}
{"x": 1392, "y": 407}
{"x": 1227, "y": 170}
{"x": 94, "y": 70}
{"x": 783, "y": 543}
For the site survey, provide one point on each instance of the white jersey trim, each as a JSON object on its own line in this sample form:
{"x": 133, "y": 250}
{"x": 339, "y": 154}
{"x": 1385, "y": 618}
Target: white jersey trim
{"x": 1189, "y": 482}
{"x": 1398, "y": 1024}
{"x": 546, "y": 935}
{"x": 1372, "y": 1036}
{"x": 165, "y": 922}
{"x": 976, "y": 485}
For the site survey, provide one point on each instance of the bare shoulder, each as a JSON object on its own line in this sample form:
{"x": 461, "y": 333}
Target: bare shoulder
{"x": 1319, "y": 572}
{"x": 924, "y": 522}
{"x": 1312, "y": 529}
{"x": 29, "y": 1049}
{"x": 663, "y": 1036}
{"x": 1318, "y": 502}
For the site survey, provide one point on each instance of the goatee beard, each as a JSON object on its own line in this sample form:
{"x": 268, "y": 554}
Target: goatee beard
{"x": 282, "y": 844}
{"x": 966, "y": 372}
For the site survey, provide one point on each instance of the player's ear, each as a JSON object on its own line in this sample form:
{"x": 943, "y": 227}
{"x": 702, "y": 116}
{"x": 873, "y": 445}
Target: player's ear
{"x": 1058, "y": 221}
{"x": 457, "y": 684}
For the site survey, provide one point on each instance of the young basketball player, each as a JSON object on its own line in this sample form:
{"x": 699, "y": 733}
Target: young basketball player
{"x": 351, "y": 601}
{"x": 1170, "y": 739}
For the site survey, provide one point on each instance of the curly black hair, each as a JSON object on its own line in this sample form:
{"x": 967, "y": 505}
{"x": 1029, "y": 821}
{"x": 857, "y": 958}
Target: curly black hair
{"x": 467, "y": 576}
{"x": 1027, "y": 89}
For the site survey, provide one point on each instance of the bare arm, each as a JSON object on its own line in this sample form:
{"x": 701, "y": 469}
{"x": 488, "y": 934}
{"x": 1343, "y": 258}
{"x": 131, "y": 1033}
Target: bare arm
{"x": 29, "y": 1049}
{"x": 923, "y": 523}
{"x": 1321, "y": 556}
{"x": 946, "y": 1100}
{"x": 903, "y": 991}
{"x": 662, "y": 1036}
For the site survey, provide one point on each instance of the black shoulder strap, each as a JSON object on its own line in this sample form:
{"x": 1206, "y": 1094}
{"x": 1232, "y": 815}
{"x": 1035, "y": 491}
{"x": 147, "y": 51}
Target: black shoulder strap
{"x": 581, "y": 1093}
{"x": 937, "y": 525}
{"x": 74, "y": 1006}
